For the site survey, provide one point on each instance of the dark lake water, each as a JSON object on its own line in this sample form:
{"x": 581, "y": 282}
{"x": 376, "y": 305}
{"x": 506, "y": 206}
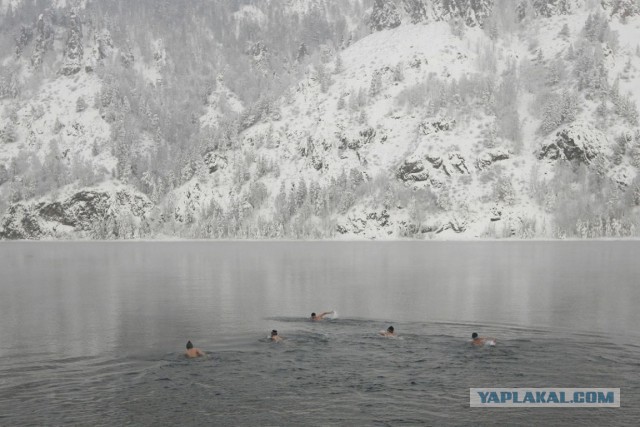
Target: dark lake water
{"x": 93, "y": 333}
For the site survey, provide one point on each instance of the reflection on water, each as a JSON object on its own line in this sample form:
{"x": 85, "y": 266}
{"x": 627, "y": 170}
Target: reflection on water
{"x": 94, "y": 330}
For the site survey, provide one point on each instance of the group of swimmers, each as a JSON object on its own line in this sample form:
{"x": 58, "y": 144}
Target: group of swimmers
{"x": 476, "y": 340}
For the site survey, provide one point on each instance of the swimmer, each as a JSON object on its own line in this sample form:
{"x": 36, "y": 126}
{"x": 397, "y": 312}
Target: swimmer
{"x": 275, "y": 337}
{"x": 320, "y": 316}
{"x": 476, "y": 340}
{"x": 193, "y": 351}
{"x": 390, "y": 332}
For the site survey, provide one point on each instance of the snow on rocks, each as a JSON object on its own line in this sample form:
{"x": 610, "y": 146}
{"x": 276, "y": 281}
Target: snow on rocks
{"x": 623, "y": 175}
{"x": 440, "y": 124}
{"x": 487, "y": 158}
{"x": 412, "y": 169}
{"x": 101, "y": 212}
{"x": 578, "y": 141}
{"x": 369, "y": 223}
{"x": 215, "y": 161}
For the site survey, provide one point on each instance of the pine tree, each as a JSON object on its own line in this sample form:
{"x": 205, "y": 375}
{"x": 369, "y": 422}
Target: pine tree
{"x": 53, "y": 168}
{"x": 8, "y": 133}
{"x": 602, "y": 111}
{"x": 339, "y": 67}
{"x": 73, "y": 51}
{"x": 363, "y": 118}
{"x": 323, "y": 77}
{"x": 614, "y": 92}
{"x": 301, "y": 192}
{"x": 398, "y": 72}
{"x": 570, "y": 106}
{"x": 302, "y": 52}
{"x": 280, "y": 204}
{"x": 376, "y": 84}
{"x": 551, "y": 114}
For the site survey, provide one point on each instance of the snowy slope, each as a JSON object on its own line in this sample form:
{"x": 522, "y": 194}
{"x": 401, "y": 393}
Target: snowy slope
{"x": 311, "y": 135}
{"x": 397, "y": 135}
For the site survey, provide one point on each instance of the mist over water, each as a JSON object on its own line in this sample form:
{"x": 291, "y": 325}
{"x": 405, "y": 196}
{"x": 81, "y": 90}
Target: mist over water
{"x": 93, "y": 333}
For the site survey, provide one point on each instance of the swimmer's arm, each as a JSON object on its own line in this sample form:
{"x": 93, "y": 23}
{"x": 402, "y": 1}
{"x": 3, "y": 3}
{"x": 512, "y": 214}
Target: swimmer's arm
{"x": 200, "y": 352}
{"x": 324, "y": 314}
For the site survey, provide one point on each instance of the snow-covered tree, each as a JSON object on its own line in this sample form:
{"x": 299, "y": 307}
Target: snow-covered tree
{"x": 8, "y": 133}
{"x": 74, "y": 50}
{"x": 558, "y": 110}
{"x": 384, "y": 15}
{"x": 376, "y": 84}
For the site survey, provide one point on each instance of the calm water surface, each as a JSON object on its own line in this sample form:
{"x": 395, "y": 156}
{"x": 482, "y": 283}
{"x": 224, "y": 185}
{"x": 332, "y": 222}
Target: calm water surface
{"x": 93, "y": 333}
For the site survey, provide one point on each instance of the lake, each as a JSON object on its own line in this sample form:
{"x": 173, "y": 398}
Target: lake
{"x": 94, "y": 333}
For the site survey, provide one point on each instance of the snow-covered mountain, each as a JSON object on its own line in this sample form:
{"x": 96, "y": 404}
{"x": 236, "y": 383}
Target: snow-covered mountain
{"x": 319, "y": 119}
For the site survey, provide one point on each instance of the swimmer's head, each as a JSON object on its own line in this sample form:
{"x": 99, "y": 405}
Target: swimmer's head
{"x": 189, "y": 345}
{"x": 274, "y": 333}
{"x": 474, "y": 335}
{"x": 390, "y": 329}
{"x": 313, "y": 315}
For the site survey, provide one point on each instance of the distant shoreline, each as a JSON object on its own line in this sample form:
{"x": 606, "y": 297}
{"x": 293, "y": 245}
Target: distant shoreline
{"x": 461, "y": 240}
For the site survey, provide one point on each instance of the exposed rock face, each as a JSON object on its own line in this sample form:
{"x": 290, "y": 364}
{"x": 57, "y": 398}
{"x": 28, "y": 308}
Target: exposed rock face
{"x": 384, "y": 15}
{"x": 73, "y": 50}
{"x": 85, "y": 212}
{"x": 436, "y": 161}
{"x": 413, "y": 170}
{"x": 214, "y": 161}
{"x": 365, "y": 136}
{"x": 456, "y": 163}
{"x": 458, "y": 225}
{"x": 576, "y": 142}
{"x": 367, "y": 223}
{"x": 495, "y": 214}
{"x": 487, "y": 158}
{"x": 437, "y": 125}
{"x": 450, "y": 163}
{"x": 381, "y": 218}
{"x": 85, "y": 207}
